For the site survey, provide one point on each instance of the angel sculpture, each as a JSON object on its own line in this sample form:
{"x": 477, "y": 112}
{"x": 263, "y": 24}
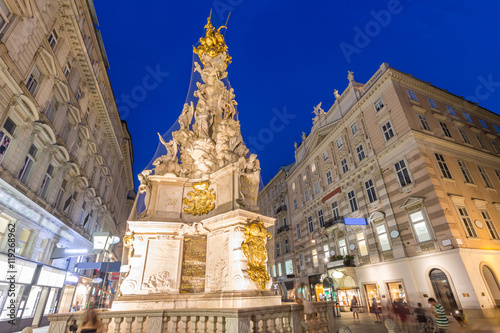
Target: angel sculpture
{"x": 168, "y": 163}
{"x": 186, "y": 116}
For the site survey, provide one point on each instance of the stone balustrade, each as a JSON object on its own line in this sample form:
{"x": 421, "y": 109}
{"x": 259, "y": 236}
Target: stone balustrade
{"x": 280, "y": 318}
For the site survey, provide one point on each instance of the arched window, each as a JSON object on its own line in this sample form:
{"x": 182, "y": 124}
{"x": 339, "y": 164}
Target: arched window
{"x": 493, "y": 284}
{"x": 442, "y": 290}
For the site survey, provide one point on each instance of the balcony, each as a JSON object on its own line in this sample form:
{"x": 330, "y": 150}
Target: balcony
{"x": 282, "y": 229}
{"x": 282, "y": 208}
{"x": 331, "y": 222}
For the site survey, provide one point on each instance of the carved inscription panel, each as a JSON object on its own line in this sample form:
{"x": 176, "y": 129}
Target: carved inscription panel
{"x": 194, "y": 261}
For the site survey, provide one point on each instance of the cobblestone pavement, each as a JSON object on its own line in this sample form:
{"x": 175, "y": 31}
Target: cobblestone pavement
{"x": 367, "y": 324}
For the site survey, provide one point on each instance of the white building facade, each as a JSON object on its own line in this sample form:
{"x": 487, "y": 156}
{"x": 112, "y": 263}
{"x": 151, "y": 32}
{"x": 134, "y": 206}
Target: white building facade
{"x": 65, "y": 155}
{"x": 395, "y": 194}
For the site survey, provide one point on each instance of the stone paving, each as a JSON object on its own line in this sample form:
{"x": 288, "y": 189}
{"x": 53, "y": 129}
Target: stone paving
{"x": 367, "y": 324}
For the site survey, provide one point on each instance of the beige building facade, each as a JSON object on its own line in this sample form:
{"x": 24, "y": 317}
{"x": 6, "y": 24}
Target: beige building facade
{"x": 65, "y": 156}
{"x": 395, "y": 194}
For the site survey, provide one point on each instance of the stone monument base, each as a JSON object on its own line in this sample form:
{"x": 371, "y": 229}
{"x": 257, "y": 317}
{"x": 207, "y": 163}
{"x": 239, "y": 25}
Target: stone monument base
{"x": 216, "y": 300}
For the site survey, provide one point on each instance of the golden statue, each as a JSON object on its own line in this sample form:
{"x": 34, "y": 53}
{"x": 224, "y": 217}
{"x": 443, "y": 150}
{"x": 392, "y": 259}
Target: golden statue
{"x": 128, "y": 242}
{"x": 254, "y": 248}
{"x": 201, "y": 200}
{"x": 213, "y": 43}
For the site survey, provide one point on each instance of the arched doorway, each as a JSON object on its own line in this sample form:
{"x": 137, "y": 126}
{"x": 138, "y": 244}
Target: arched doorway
{"x": 442, "y": 290}
{"x": 492, "y": 283}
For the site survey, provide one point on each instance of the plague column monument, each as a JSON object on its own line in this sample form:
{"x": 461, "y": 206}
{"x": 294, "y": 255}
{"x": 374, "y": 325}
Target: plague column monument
{"x": 199, "y": 241}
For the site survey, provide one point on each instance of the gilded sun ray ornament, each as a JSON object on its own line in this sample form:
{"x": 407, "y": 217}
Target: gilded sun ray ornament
{"x": 254, "y": 248}
{"x": 201, "y": 200}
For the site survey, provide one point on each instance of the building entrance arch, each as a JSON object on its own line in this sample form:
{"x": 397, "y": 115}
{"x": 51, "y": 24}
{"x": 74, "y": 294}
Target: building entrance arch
{"x": 493, "y": 284}
{"x": 442, "y": 290}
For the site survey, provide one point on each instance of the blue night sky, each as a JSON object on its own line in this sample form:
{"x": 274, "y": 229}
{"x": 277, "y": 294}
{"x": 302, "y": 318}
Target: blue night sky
{"x": 287, "y": 57}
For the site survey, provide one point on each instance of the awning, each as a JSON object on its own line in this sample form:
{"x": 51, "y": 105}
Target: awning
{"x": 102, "y": 266}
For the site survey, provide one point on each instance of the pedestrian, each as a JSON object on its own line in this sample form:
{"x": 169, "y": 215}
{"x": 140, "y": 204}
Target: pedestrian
{"x": 420, "y": 317}
{"x": 91, "y": 322}
{"x": 76, "y": 307}
{"x": 376, "y": 310}
{"x": 401, "y": 310}
{"x": 438, "y": 312}
{"x": 355, "y": 308}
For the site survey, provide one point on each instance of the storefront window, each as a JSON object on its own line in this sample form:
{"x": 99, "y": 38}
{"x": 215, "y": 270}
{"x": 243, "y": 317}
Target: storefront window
{"x": 345, "y": 296}
{"x": 371, "y": 291}
{"x": 23, "y": 241}
{"x": 50, "y": 306}
{"x": 397, "y": 292}
{"x": 18, "y": 292}
{"x": 289, "y": 267}
{"x": 34, "y": 296}
{"x": 442, "y": 290}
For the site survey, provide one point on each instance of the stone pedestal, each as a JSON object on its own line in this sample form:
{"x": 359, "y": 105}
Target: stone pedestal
{"x": 176, "y": 265}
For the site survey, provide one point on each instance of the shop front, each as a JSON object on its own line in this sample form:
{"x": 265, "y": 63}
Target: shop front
{"x": 371, "y": 291}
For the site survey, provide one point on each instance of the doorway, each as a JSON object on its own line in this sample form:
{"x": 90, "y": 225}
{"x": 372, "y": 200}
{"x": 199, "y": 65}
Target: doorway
{"x": 442, "y": 290}
{"x": 493, "y": 285}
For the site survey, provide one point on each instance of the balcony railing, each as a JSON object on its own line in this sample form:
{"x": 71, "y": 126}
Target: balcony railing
{"x": 331, "y": 222}
{"x": 282, "y": 208}
{"x": 282, "y": 229}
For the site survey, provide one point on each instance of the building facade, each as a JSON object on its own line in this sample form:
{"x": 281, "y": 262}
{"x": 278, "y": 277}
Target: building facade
{"x": 273, "y": 201}
{"x": 65, "y": 156}
{"x": 395, "y": 194}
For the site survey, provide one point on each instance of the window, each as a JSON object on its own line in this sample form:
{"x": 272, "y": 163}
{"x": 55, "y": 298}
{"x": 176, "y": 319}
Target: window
{"x": 363, "y": 250}
{"x": 360, "y": 151}
{"x": 412, "y": 95}
{"x": 53, "y": 39}
{"x": 33, "y": 80}
{"x": 343, "y": 247}
{"x": 424, "y": 123}
{"x": 489, "y": 224}
{"x": 497, "y": 172}
{"x": 67, "y": 70}
{"x": 280, "y": 270}
{"x": 445, "y": 129}
{"x": 387, "y": 130}
{"x": 4, "y": 223}
{"x": 329, "y": 178}
{"x": 289, "y": 267}
{"x": 293, "y": 186}
{"x": 51, "y": 108}
{"x": 335, "y": 210}
{"x": 379, "y": 104}
{"x": 450, "y": 110}
{"x": 5, "y": 139}
{"x": 321, "y": 218}
{"x": 497, "y": 129}
{"x": 370, "y": 191}
{"x": 299, "y": 235}
{"x": 467, "y": 117}
{"x": 481, "y": 142}
{"x": 464, "y": 216}
{"x": 4, "y": 14}
{"x": 325, "y": 155}
{"x": 278, "y": 250}
{"x": 383, "y": 239}
{"x": 284, "y": 221}
{"x": 403, "y": 173}
{"x": 345, "y": 167}
{"x": 304, "y": 177}
{"x": 23, "y": 242}
{"x": 78, "y": 94}
{"x": 46, "y": 181}
{"x": 295, "y": 204}
{"x": 432, "y": 103}
{"x": 315, "y": 257}
{"x": 310, "y": 223}
{"x": 495, "y": 146}
{"x": 464, "y": 136}
{"x": 301, "y": 261}
{"x": 465, "y": 171}
{"x": 306, "y": 195}
{"x": 484, "y": 175}
{"x": 316, "y": 188}
{"x": 483, "y": 123}
{"x": 354, "y": 128}
{"x": 420, "y": 227}
{"x": 340, "y": 143}
{"x": 274, "y": 270}
{"x": 60, "y": 194}
{"x": 313, "y": 167}
{"x": 445, "y": 172}
{"x": 352, "y": 201}
{"x": 28, "y": 164}
{"x": 286, "y": 246}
